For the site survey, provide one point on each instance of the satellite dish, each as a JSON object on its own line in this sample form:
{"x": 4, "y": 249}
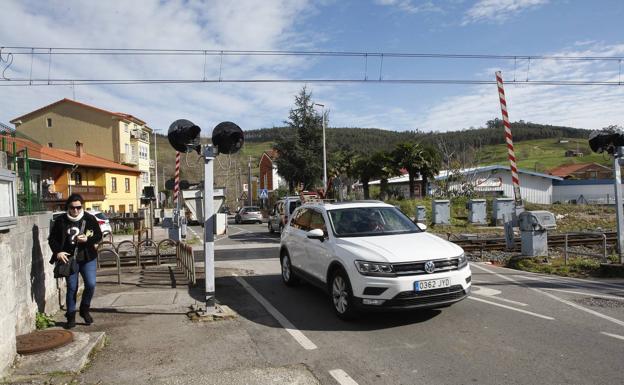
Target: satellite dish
{"x": 183, "y": 135}
{"x": 227, "y": 137}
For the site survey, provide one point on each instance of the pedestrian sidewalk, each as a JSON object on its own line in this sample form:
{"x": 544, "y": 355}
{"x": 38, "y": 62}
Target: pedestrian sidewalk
{"x": 150, "y": 339}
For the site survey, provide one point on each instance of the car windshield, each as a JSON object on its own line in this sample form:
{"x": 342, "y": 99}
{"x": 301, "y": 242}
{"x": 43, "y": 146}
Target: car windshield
{"x": 369, "y": 221}
{"x": 101, "y": 216}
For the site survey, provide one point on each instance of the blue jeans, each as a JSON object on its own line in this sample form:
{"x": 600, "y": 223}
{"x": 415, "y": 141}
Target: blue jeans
{"x": 87, "y": 270}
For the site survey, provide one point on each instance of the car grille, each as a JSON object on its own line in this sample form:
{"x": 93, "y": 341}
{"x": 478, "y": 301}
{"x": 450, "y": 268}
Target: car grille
{"x": 417, "y": 268}
{"x": 415, "y": 298}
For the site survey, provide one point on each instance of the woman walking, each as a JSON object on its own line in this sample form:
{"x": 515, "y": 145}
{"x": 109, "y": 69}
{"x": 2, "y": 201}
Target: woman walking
{"x": 76, "y": 233}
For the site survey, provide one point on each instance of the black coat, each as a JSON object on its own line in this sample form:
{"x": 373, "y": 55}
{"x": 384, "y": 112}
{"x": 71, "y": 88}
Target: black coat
{"x": 59, "y": 234}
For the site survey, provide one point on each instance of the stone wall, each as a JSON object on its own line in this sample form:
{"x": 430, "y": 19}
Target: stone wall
{"x": 27, "y": 283}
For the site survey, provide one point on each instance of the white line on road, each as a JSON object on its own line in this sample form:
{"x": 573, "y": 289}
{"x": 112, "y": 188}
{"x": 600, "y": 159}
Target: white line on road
{"x": 248, "y": 246}
{"x": 579, "y": 307}
{"x": 613, "y": 335}
{"x": 493, "y": 294}
{"x": 513, "y": 308}
{"x": 286, "y": 324}
{"x": 342, "y": 377}
{"x": 605, "y": 296}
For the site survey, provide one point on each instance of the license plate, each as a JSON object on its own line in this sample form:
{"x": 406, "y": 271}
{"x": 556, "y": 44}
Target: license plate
{"x": 432, "y": 284}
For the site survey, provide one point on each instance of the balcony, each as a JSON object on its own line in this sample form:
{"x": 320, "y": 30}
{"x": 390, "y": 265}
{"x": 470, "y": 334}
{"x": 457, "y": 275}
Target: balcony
{"x": 129, "y": 159}
{"x": 89, "y": 193}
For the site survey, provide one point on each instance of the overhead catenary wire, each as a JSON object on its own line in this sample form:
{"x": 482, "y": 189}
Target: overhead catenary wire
{"x": 6, "y": 62}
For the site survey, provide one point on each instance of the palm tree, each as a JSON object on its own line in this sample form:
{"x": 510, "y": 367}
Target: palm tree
{"x": 430, "y": 166}
{"x": 383, "y": 167}
{"x": 410, "y": 157}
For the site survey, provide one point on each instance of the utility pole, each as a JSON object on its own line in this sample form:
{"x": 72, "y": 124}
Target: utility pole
{"x": 249, "y": 185}
{"x": 156, "y": 171}
{"x": 617, "y": 157}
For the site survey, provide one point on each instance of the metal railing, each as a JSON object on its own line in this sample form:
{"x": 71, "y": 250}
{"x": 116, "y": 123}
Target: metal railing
{"x": 186, "y": 261}
{"x": 110, "y": 249}
{"x": 566, "y": 251}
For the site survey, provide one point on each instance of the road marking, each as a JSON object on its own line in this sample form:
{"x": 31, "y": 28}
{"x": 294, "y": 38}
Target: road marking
{"x": 579, "y": 307}
{"x": 286, "y": 324}
{"x": 248, "y": 246}
{"x": 605, "y": 296}
{"x": 565, "y": 283}
{"x": 493, "y": 293}
{"x": 613, "y": 335}
{"x": 342, "y": 377}
{"x": 513, "y": 308}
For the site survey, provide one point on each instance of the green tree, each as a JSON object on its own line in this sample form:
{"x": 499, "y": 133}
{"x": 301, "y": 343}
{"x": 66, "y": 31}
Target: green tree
{"x": 383, "y": 167}
{"x": 410, "y": 157}
{"x": 363, "y": 170}
{"x": 430, "y": 166}
{"x": 301, "y": 144}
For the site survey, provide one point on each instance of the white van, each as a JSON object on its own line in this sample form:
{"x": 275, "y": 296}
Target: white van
{"x": 278, "y": 217}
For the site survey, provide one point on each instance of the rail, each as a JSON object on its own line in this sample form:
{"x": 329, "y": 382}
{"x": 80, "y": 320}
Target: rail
{"x": 113, "y": 250}
{"x": 186, "y": 261}
{"x": 601, "y": 236}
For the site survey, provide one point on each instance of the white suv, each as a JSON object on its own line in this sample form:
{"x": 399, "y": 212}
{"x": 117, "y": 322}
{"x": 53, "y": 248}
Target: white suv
{"x": 369, "y": 255}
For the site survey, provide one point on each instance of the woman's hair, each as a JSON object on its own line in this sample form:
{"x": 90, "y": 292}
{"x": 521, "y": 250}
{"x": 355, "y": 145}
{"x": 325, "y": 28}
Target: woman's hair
{"x": 73, "y": 198}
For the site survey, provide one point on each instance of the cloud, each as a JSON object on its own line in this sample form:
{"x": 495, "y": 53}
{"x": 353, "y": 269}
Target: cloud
{"x": 409, "y": 6}
{"x": 498, "y": 10}
{"x": 591, "y": 107}
{"x": 193, "y": 24}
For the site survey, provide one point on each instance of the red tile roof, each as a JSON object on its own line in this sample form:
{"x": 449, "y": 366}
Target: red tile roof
{"x": 567, "y": 169}
{"x": 117, "y": 114}
{"x": 54, "y": 155}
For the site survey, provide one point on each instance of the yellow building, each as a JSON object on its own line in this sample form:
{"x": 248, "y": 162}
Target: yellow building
{"x": 116, "y": 136}
{"x": 104, "y": 184}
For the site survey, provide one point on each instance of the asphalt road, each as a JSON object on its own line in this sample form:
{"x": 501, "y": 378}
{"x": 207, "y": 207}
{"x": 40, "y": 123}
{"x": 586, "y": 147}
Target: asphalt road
{"x": 515, "y": 328}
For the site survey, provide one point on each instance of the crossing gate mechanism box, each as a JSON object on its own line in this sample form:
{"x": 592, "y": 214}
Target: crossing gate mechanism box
{"x": 501, "y": 208}
{"x": 477, "y": 213}
{"x": 441, "y": 211}
{"x": 534, "y": 226}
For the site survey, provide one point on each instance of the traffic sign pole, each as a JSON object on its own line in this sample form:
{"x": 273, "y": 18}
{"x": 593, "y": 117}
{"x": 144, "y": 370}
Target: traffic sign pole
{"x": 209, "y": 155}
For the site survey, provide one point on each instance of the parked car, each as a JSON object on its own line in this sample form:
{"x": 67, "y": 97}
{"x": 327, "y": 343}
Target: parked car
{"x": 278, "y": 217}
{"x": 371, "y": 256}
{"x": 248, "y": 214}
{"x": 103, "y": 221}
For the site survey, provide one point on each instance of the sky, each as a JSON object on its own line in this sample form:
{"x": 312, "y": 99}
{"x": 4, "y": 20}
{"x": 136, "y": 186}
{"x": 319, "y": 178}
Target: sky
{"x": 512, "y": 28}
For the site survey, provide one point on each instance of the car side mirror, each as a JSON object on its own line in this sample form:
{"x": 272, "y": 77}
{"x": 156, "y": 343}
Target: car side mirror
{"x": 421, "y": 226}
{"x": 316, "y": 234}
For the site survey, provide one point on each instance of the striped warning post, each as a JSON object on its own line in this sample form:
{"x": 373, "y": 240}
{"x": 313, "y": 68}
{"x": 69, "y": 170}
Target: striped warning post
{"x": 510, "y": 147}
{"x": 176, "y": 189}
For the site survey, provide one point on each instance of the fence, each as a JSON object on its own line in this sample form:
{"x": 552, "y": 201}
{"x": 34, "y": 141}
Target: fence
{"x": 567, "y": 251}
{"x": 28, "y": 173}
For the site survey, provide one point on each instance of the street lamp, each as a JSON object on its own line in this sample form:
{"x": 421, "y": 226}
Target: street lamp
{"x": 156, "y": 168}
{"x": 324, "y": 152}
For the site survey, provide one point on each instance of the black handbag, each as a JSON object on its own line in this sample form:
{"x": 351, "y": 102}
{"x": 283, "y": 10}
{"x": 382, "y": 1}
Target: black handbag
{"x": 62, "y": 269}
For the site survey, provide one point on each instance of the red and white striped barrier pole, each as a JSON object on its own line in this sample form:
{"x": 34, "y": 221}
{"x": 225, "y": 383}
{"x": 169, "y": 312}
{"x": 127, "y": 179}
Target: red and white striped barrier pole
{"x": 509, "y": 139}
{"x": 176, "y": 189}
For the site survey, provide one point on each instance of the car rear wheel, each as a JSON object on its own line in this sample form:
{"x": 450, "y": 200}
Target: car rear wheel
{"x": 288, "y": 276}
{"x": 342, "y": 295}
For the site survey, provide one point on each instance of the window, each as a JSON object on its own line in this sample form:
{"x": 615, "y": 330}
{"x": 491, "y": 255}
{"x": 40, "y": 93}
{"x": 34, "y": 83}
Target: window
{"x": 114, "y": 185}
{"x": 127, "y": 184}
{"x": 127, "y": 148}
{"x": 143, "y": 152}
{"x": 126, "y": 128}
{"x": 96, "y": 207}
{"x": 130, "y": 208}
{"x": 49, "y": 122}
{"x": 317, "y": 221}
{"x": 111, "y": 209}
{"x": 77, "y": 177}
{"x": 50, "y": 144}
{"x": 145, "y": 178}
{"x": 301, "y": 220}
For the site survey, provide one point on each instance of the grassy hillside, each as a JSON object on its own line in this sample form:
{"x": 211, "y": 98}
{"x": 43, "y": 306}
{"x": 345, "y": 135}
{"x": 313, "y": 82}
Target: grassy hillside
{"x": 541, "y": 154}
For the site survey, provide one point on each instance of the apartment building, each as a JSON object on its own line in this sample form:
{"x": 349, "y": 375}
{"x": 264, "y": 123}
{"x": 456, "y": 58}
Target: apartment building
{"x": 119, "y": 137}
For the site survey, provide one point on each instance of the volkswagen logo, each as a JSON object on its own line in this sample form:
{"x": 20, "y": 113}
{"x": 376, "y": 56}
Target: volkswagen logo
{"x": 429, "y": 267}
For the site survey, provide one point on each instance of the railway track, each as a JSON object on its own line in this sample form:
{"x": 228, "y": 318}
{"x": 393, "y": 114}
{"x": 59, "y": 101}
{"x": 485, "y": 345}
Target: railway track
{"x": 554, "y": 240}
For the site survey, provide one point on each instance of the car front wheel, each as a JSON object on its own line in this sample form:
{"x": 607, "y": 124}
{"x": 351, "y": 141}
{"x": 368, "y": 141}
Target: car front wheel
{"x": 342, "y": 295}
{"x": 288, "y": 276}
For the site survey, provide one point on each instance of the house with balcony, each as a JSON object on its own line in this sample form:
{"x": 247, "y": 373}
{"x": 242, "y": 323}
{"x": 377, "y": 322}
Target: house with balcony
{"x": 118, "y": 137}
{"x": 55, "y": 174}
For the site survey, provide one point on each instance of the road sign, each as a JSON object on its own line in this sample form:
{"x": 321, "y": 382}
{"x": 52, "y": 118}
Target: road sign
{"x": 264, "y": 194}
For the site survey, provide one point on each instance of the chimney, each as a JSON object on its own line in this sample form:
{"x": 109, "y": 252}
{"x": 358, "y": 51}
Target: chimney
{"x": 79, "y": 149}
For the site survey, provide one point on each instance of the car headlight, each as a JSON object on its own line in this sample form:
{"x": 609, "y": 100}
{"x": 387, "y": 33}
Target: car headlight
{"x": 463, "y": 261}
{"x": 374, "y": 268}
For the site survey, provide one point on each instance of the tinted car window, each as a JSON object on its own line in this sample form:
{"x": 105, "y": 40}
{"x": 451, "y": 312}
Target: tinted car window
{"x": 301, "y": 220}
{"x": 317, "y": 221}
{"x": 101, "y": 216}
{"x": 294, "y": 205}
